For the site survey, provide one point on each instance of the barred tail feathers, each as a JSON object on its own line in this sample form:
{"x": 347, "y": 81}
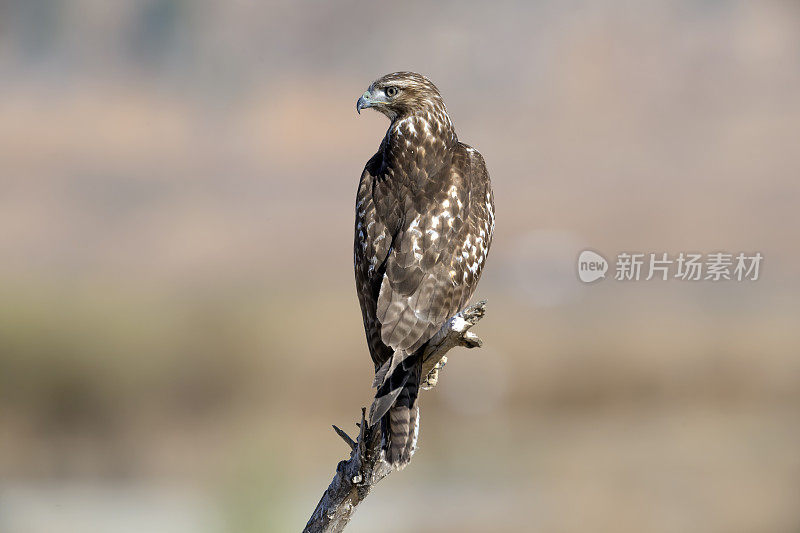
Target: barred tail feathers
{"x": 396, "y": 407}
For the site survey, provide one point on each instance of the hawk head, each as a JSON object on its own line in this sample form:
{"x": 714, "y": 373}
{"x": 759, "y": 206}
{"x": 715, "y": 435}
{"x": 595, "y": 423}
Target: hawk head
{"x": 402, "y": 94}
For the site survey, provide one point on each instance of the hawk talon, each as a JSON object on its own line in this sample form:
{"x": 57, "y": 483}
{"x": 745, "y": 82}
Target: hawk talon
{"x": 432, "y": 379}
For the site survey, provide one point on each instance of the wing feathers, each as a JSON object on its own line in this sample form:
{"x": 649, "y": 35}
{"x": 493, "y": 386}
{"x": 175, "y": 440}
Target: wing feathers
{"x": 421, "y": 248}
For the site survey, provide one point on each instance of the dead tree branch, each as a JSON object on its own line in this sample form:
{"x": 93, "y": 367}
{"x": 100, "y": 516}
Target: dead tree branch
{"x": 356, "y": 476}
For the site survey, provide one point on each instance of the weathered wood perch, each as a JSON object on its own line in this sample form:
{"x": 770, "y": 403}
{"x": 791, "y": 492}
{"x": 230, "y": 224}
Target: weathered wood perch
{"x": 356, "y": 476}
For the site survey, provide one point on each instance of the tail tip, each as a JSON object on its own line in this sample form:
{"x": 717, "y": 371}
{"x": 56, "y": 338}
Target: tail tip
{"x": 402, "y": 436}
{"x": 398, "y": 459}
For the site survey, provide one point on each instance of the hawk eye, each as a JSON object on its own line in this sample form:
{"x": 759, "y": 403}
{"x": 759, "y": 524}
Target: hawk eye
{"x": 391, "y": 91}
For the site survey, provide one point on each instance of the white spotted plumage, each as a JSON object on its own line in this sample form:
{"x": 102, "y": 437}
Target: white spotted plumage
{"x": 424, "y": 225}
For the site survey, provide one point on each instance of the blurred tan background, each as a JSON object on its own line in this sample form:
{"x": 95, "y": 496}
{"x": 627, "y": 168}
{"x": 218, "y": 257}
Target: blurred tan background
{"x": 178, "y": 321}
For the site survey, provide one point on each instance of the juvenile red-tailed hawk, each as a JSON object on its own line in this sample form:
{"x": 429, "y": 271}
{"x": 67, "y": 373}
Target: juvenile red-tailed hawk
{"x": 424, "y": 223}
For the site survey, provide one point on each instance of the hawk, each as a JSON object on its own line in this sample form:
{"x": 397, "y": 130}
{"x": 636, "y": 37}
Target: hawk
{"x": 424, "y": 224}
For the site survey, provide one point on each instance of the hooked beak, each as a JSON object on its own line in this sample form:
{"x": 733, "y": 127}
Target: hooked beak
{"x": 368, "y": 100}
{"x": 363, "y": 102}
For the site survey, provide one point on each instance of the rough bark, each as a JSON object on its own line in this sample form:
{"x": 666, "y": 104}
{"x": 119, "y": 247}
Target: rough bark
{"x": 356, "y": 476}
